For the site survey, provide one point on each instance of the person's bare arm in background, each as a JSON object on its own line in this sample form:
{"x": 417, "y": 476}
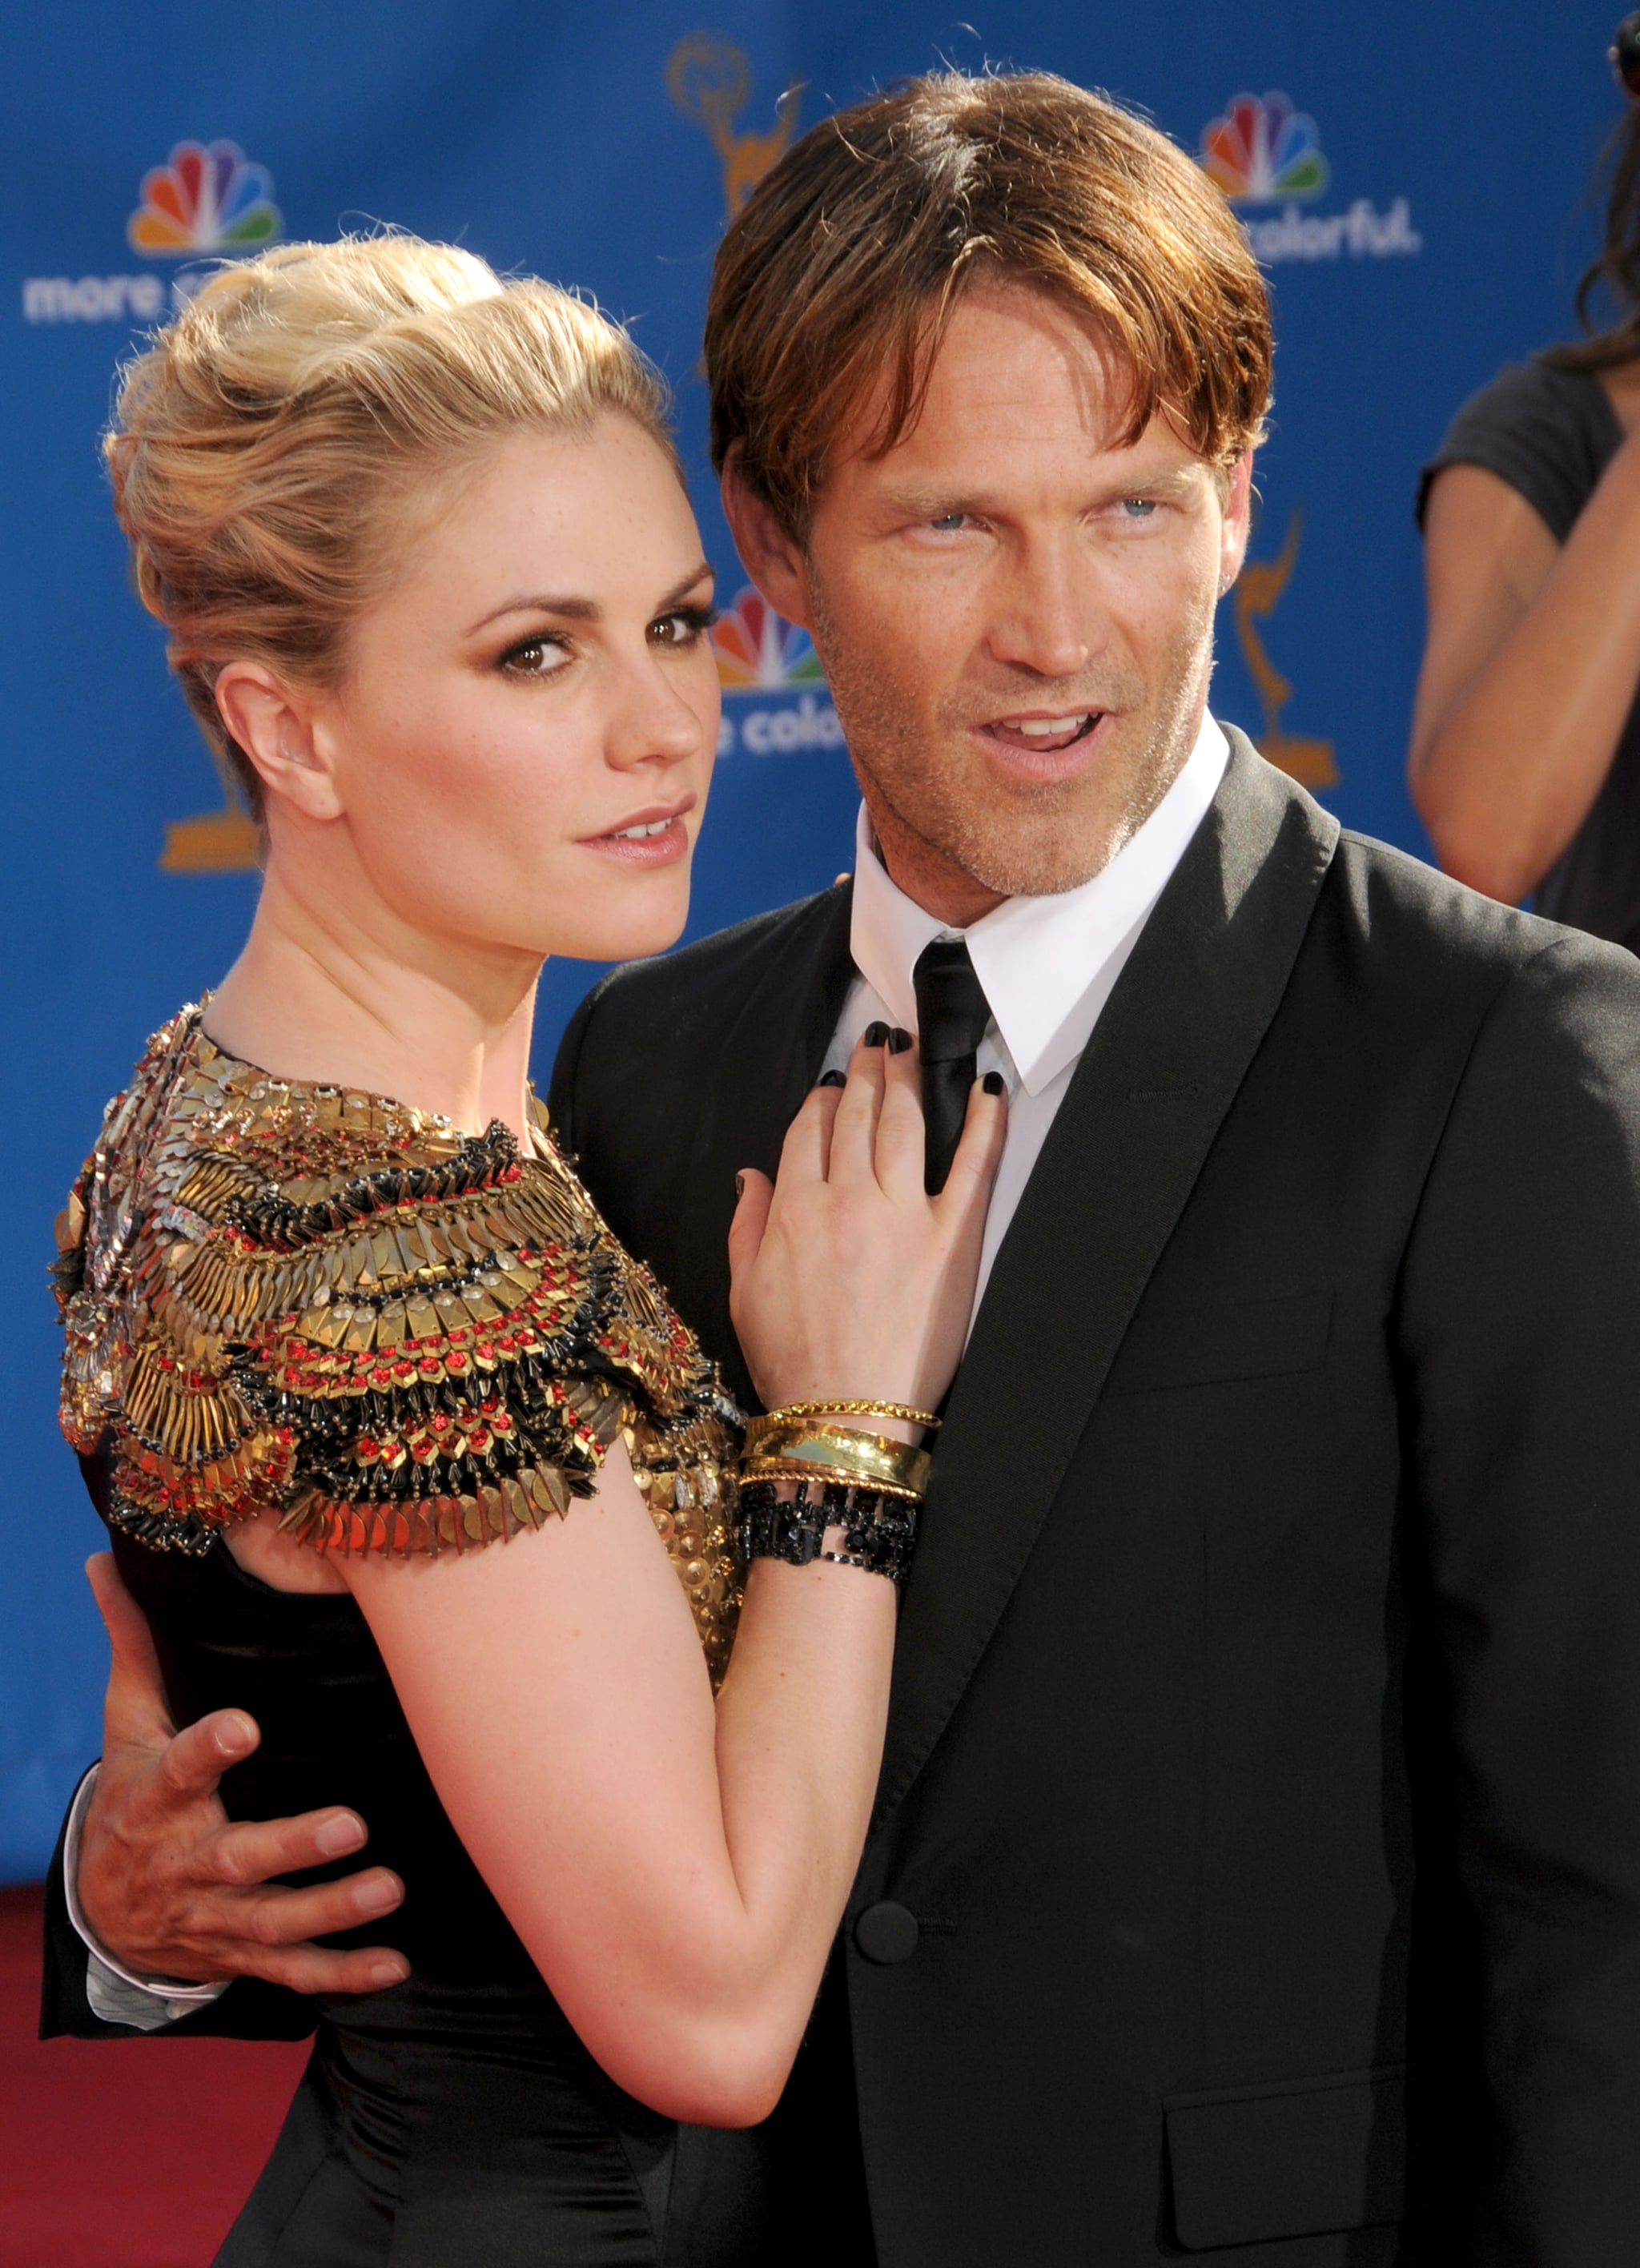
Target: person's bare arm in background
{"x": 1530, "y": 669}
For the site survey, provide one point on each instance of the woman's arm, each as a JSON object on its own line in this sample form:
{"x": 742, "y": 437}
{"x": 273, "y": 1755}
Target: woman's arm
{"x": 1530, "y": 669}
{"x": 677, "y": 1870}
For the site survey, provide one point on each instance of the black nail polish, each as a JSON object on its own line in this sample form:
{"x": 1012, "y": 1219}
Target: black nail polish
{"x": 835, "y": 1079}
{"x": 898, "y": 1040}
{"x": 875, "y": 1036}
{"x": 994, "y": 1083}
{"x": 739, "y": 1187}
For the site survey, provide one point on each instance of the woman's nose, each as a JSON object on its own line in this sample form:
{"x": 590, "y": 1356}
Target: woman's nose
{"x": 655, "y": 723}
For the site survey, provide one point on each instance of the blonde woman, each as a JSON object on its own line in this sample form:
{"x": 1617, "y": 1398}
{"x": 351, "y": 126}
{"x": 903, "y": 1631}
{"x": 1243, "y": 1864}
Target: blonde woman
{"x": 399, "y": 1449}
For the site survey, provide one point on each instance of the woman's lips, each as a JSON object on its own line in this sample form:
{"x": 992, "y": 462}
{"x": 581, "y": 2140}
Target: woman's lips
{"x": 644, "y": 842}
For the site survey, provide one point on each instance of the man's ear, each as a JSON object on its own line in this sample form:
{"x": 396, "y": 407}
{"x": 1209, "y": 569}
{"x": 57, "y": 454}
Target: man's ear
{"x": 275, "y": 728}
{"x": 774, "y": 563}
{"x": 1238, "y": 521}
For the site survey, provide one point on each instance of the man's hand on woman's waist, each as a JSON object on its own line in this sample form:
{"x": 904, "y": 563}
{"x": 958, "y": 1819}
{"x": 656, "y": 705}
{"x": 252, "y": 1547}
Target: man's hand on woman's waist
{"x": 167, "y": 1887}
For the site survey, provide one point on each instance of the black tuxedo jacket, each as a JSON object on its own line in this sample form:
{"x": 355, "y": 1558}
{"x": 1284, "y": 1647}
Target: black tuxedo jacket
{"x": 1256, "y": 1872}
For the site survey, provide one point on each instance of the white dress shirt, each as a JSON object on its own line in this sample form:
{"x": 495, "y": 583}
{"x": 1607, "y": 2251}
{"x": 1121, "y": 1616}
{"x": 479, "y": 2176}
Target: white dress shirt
{"x": 1047, "y": 967}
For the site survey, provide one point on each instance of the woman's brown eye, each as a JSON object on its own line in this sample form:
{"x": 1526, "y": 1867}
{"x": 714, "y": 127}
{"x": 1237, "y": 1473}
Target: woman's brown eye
{"x": 538, "y": 658}
{"x": 684, "y": 627}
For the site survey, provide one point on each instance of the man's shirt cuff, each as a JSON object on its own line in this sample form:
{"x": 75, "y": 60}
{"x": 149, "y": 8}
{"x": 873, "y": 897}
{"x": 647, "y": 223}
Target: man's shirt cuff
{"x": 115, "y": 1994}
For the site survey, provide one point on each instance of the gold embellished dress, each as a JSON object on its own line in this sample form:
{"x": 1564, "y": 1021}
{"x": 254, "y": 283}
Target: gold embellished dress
{"x": 399, "y": 1338}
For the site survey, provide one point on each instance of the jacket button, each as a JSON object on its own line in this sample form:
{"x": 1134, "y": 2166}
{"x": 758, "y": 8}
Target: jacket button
{"x": 886, "y": 1932}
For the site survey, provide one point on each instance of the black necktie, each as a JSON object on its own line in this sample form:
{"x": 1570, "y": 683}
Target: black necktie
{"x": 952, "y": 1014}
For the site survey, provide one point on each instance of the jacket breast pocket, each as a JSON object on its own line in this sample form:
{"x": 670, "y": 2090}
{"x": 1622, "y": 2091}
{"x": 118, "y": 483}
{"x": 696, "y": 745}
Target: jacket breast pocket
{"x": 1250, "y": 2165}
{"x": 1206, "y": 1346}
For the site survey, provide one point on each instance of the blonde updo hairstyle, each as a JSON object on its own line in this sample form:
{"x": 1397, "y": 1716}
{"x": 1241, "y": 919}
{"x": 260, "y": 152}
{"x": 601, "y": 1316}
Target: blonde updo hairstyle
{"x": 306, "y": 413}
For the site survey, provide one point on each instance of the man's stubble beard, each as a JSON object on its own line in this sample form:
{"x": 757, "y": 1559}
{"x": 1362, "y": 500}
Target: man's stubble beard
{"x": 1043, "y": 840}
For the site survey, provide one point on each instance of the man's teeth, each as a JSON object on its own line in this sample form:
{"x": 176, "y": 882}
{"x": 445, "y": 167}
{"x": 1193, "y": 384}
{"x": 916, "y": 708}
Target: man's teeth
{"x": 638, "y": 834}
{"x": 1041, "y": 726}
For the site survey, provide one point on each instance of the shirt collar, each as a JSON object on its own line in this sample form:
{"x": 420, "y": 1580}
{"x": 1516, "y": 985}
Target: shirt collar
{"x": 1047, "y": 964}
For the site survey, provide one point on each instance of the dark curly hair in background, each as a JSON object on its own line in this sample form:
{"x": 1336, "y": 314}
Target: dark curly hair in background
{"x": 1613, "y": 275}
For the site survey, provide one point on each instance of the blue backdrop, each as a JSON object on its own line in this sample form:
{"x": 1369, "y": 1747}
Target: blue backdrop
{"x": 1416, "y": 178}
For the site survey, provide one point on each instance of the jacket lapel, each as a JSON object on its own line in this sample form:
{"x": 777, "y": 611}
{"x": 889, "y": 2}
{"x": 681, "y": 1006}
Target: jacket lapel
{"x": 772, "y": 1056}
{"x": 1165, "y": 1059}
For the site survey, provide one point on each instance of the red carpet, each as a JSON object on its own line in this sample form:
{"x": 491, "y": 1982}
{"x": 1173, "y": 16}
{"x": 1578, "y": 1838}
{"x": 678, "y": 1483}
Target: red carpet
{"x": 136, "y": 2153}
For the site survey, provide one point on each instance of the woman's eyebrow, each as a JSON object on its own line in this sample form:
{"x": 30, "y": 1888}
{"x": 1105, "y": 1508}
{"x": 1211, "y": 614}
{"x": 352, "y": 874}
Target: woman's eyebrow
{"x": 535, "y": 602}
{"x": 584, "y": 610}
{"x": 704, "y": 573}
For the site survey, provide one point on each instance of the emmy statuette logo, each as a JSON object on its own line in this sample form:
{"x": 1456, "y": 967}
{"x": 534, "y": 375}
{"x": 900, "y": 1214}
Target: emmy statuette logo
{"x": 710, "y": 81}
{"x": 225, "y": 842}
{"x": 1258, "y": 593}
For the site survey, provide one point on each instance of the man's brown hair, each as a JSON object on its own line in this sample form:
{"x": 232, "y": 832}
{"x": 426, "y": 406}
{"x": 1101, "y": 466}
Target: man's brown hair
{"x": 843, "y": 268}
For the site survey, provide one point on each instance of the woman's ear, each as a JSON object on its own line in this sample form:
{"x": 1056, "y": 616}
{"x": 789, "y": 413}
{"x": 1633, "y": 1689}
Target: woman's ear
{"x": 276, "y": 729}
{"x": 773, "y": 562}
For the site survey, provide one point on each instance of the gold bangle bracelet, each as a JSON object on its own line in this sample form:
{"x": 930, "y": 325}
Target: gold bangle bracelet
{"x": 782, "y": 1422}
{"x": 871, "y": 1457}
{"x": 895, "y": 1410}
{"x": 786, "y": 1469}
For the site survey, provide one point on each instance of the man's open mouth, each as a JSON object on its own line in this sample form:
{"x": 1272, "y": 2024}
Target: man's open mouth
{"x": 1043, "y": 735}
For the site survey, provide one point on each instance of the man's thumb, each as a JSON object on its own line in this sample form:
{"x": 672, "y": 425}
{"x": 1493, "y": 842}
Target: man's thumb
{"x": 136, "y": 1707}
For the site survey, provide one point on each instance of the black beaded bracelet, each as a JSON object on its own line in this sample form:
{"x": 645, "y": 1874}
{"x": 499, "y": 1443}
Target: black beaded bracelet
{"x": 879, "y": 1528}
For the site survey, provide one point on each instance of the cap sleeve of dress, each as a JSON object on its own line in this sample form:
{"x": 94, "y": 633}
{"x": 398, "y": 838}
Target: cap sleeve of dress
{"x": 1548, "y": 432}
{"x": 398, "y": 1338}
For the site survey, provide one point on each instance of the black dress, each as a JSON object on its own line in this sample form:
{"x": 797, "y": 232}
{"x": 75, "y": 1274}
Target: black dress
{"x": 1550, "y": 433}
{"x": 456, "y": 2116}
{"x": 240, "y": 1333}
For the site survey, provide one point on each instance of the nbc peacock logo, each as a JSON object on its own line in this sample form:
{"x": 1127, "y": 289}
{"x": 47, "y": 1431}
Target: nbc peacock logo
{"x": 208, "y": 198}
{"x": 1261, "y": 151}
{"x": 758, "y": 652}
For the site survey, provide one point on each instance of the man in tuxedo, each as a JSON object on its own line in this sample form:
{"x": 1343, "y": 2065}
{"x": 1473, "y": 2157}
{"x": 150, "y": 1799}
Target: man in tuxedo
{"x": 1255, "y": 1876}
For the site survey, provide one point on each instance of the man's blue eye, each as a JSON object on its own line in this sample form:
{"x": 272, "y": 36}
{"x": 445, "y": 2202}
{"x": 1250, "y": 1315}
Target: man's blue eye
{"x": 949, "y": 520}
{"x": 1138, "y": 507}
